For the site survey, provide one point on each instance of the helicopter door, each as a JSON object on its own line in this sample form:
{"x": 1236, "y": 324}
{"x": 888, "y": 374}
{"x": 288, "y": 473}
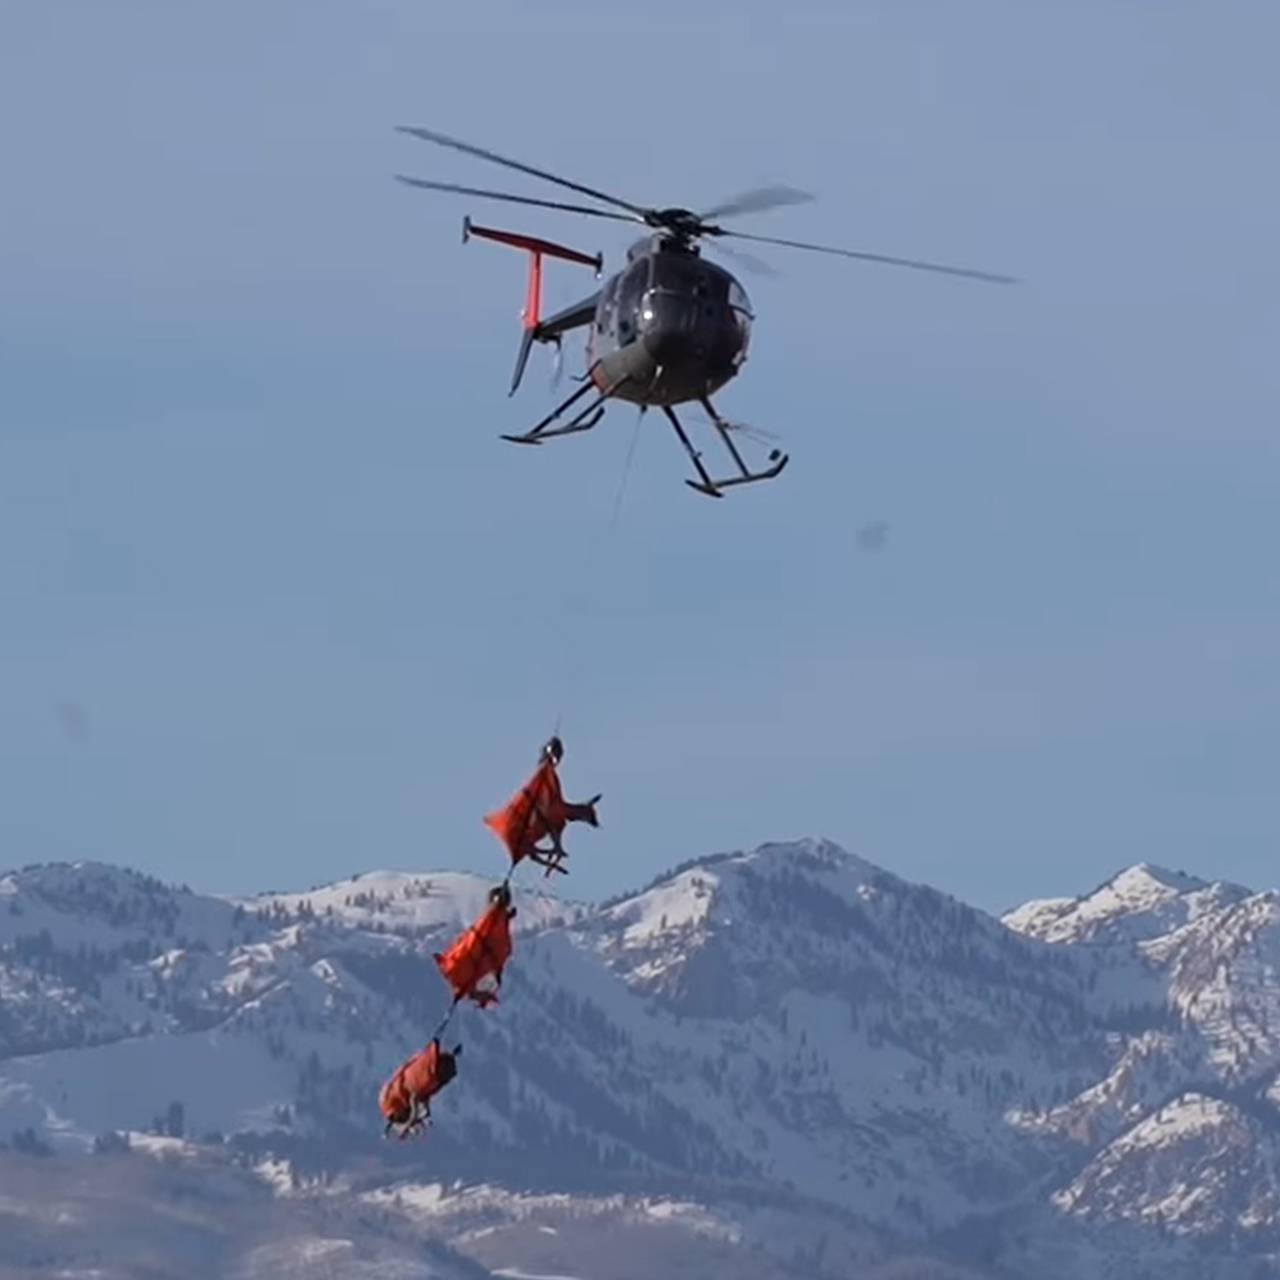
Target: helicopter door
{"x": 603, "y": 332}
{"x": 631, "y": 293}
{"x": 742, "y": 316}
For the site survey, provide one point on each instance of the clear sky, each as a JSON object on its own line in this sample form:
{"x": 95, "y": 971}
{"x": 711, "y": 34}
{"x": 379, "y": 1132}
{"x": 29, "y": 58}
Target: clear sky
{"x": 276, "y": 604}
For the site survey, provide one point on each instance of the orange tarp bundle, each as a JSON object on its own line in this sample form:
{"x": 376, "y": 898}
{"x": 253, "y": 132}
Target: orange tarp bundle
{"x": 537, "y": 809}
{"x": 415, "y": 1083}
{"x": 482, "y": 950}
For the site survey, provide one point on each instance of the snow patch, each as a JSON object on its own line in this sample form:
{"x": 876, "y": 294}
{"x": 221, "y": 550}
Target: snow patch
{"x": 1141, "y": 902}
{"x": 277, "y": 1174}
{"x": 157, "y": 1145}
{"x": 514, "y": 1273}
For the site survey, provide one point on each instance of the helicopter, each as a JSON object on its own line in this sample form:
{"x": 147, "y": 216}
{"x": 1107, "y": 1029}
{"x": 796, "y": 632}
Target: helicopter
{"x": 670, "y": 328}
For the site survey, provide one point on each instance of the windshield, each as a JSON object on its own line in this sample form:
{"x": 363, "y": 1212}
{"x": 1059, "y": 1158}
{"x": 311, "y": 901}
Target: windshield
{"x": 740, "y": 309}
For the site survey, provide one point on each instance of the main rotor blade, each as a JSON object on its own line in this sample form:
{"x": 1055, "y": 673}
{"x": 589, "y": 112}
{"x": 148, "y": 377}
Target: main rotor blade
{"x": 915, "y": 263}
{"x": 747, "y": 260}
{"x": 427, "y": 135}
{"x": 757, "y": 200}
{"x": 513, "y": 199}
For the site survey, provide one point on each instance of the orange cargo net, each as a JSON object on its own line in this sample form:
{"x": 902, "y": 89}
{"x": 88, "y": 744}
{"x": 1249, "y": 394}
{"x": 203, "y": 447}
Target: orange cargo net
{"x": 482, "y": 951}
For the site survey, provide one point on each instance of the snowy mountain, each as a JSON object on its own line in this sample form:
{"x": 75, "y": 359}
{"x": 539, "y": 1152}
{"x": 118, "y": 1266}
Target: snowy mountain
{"x": 1139, "y": 903}
{"x": 778, "y": 1061}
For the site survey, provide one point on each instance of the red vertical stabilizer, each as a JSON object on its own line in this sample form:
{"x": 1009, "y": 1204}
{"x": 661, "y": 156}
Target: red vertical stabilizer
{"x": 536, "y": 248}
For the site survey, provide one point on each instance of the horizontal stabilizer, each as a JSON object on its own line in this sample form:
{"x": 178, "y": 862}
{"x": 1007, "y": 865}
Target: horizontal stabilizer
{"x": 534, "y": 244}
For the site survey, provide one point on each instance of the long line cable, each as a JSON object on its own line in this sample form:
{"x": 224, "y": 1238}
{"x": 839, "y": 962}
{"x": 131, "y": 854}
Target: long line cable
{"x": 574, "y": 649}
{"x": 575, "y": 659}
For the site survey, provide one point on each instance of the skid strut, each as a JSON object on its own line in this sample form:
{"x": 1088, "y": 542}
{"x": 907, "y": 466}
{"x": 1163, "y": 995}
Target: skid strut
{"x": 704, "y": 483}
{"x": 583, "y": 420}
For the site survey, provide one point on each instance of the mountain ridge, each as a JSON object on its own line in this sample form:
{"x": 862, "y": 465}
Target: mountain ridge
{"x": 789, "y": 1019}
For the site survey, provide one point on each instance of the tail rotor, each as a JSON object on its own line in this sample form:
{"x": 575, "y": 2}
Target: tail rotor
{"x": 557, "y": 365}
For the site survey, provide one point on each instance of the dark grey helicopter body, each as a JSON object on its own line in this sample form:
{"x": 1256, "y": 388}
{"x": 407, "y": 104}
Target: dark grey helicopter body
{"x": 670, "y": 328}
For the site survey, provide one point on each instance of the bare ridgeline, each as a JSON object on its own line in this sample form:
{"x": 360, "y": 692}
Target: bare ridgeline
{"x": 783, "y": 1062}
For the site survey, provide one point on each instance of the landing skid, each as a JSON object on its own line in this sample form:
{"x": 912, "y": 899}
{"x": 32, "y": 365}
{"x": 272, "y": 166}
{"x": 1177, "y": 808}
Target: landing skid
{"x": 580, "y": 423}
{"x": 704, "y": 483}
{"x": 589, "y": 416}
{"x": 584, "y": 420}
{"x": 716, "y": 488}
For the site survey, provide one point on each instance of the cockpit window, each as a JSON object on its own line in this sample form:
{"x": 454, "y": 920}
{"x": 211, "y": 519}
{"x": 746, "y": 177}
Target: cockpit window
{"x": 679, "y": 273}
{"x": 740, "y": 310}
{"x": 630, "y": 291}
{"x": 608, "y": 306}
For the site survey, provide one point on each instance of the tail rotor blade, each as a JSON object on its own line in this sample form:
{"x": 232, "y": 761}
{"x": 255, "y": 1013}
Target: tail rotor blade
{"x": 557, "y": 366}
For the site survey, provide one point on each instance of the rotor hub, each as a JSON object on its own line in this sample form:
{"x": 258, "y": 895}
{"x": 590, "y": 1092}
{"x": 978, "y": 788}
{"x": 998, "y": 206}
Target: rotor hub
{"x": 684, "y": 224}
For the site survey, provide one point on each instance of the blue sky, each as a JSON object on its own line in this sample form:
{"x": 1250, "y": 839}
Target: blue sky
{"x": 276, "y": 605}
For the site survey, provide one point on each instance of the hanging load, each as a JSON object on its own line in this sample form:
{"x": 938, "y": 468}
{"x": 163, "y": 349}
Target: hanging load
{"x": 405, "y": 1100}
{"x": 481, "y": 952}
{"x": 539, "y": 811}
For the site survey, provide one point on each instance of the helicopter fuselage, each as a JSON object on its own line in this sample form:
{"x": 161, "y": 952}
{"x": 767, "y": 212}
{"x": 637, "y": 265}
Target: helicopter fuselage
{"x": 670, "y": 327}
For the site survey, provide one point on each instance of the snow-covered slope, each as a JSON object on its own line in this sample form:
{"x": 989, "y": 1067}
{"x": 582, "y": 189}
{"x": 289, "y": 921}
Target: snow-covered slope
{"x": 405, "y": 903}
{"x": 882, "y": 1067}
{"x": 1197, "y": 1166}
{"x": 200, "y": 1214}
{"x": 1143, "y": 901}
{"x": 1223, "y": 974}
